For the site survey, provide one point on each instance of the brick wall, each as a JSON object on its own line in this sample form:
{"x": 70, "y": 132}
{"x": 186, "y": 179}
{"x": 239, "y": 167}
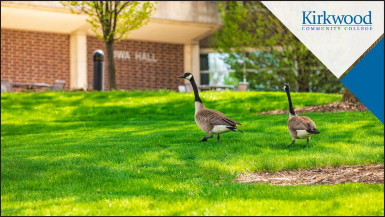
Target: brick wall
{"x": 41, "y": 57}
{"x": 139, "y": 74}
{"x": 37, "y": 57}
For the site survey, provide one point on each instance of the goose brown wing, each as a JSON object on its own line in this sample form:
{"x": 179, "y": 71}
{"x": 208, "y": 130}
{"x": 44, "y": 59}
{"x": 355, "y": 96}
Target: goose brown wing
{"x": 308, "y": 120}
{"x": 300, "y": 123}
{"x": 216, "y": 117}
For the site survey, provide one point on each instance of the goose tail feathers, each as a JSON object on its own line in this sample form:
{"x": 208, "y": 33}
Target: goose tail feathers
{"x": 313, "y": 131}
{"x": 239, "y": 130}
{"x": 234, "y": 129}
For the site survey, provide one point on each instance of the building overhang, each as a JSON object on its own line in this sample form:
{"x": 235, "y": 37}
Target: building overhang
{"x": 51, "y": 17}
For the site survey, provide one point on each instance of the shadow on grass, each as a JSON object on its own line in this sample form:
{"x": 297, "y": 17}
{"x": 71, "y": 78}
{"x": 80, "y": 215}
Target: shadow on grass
{"x": 81, "y": 176}
{"x": 181, "y": 169}
{"x": 93, "y": 106}
{"x": 129, "y": 151}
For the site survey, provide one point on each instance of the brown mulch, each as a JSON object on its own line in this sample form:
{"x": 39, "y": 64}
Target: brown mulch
{"x": 331, "y": 107}
{"x": 369, "y": 174}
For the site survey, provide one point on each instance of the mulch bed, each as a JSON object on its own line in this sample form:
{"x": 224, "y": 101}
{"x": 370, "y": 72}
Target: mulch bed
{"x": 331, "y": 107}
{"x": 369, "y": 174}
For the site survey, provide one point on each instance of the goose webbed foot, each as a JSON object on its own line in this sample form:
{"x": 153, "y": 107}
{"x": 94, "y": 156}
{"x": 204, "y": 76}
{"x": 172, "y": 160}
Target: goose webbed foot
{"x": 204, "y": 139}
{"x": 290, "y": 143}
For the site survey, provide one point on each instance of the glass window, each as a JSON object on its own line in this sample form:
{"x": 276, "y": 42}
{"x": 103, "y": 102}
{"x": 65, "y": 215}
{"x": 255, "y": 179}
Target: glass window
{"x": 213, "y": 68}
{"x": 204, "y": 66}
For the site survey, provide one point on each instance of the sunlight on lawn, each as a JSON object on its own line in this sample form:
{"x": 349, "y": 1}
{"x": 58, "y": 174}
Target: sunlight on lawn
{"x": 109, "y": 153}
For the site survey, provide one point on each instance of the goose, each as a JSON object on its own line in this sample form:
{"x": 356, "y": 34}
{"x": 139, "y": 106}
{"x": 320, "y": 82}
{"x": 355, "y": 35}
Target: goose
{"x": 210, "y": 121}
{"x": 300, "y": 127}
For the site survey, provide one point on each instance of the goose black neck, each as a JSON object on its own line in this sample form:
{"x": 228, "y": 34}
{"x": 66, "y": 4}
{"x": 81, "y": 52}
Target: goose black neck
{"x": 195, "y": 88}
{"x": 291, "y": 109}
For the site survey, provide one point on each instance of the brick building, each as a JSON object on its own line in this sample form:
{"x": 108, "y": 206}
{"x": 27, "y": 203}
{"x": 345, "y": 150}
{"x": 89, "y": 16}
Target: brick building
{"x": 43, "y": 42}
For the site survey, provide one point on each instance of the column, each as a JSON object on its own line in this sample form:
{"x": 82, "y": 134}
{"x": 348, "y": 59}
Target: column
{"x": 78, "y": 59}
{"x": 191, "y": 60}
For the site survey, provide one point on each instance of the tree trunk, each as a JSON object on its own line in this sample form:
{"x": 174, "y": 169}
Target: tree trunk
{"x": 303, "y": 85}
{"x": 349, "y": 97}
{"x": 111, "y": 65}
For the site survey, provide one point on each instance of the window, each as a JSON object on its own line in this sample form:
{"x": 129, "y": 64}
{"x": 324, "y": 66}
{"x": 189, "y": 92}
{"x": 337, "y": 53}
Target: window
{"x": 213, "y": 69}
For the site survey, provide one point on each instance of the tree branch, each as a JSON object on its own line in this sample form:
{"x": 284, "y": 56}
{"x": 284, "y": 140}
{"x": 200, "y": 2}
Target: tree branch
{"x": 97, "y": 8}
{"x": 101, "y": 7}
{"x": 110, "y": 18}
{"x": 124, "y": 5}
{"x": 116, "y": 15}
{"x": 108, "y": 27}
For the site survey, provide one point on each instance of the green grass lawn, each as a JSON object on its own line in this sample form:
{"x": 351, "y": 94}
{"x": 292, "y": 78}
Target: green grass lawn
{"x": 137, "y": 153}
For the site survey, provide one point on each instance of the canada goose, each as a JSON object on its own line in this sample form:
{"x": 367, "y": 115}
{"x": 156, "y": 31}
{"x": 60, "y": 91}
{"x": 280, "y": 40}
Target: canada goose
{"x": 300, "y": 127}
{"x": 210, "y": 121}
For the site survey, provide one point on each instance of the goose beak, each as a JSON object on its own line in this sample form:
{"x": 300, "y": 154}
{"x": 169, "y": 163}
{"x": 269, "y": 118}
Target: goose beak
{"x": 182, "y": 76}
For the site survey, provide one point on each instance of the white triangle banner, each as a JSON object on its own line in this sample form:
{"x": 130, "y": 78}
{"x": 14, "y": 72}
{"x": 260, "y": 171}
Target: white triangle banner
{"x": 337, "y": 33}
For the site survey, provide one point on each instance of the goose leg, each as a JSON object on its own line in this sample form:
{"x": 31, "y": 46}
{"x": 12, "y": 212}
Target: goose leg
{"x": 204, "y": 139}
{"x": 307, "y": 146}
{"x": 290, "y": 143}
{"x": 218, "y": 138}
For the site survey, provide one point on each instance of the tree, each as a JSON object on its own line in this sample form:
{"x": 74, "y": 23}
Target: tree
{"x": 115, "y": 19}
{"x": 255, "y": 39}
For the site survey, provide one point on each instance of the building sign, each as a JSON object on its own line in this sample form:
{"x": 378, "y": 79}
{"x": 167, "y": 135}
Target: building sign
{"x": 139, "y": 56}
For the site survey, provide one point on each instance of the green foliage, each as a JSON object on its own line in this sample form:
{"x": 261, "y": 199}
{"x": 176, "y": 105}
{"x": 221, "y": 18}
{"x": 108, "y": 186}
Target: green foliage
{"x": 231, "y": 79}
{"x": 278, "y": 56}
{"x": 137, "y": 153}
{"x": 116, "y": 19}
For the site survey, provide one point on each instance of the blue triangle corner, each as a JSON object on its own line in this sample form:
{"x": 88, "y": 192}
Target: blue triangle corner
{"x": 366, "y": 80}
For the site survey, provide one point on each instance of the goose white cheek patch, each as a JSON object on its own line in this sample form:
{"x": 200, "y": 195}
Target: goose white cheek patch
{"x": 189, "y": 77}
